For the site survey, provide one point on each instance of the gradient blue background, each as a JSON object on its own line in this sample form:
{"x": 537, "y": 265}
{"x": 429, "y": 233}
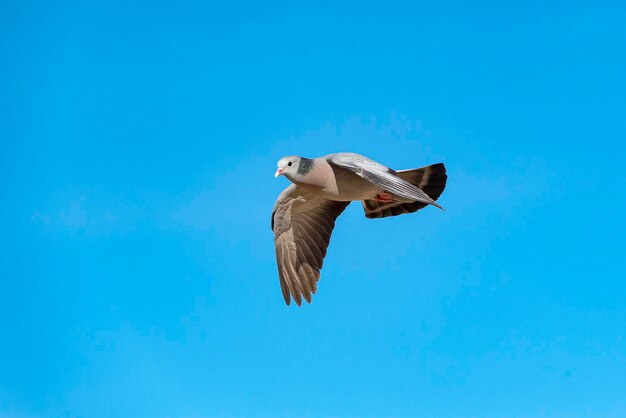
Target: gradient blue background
{"x": 138, "y": 144}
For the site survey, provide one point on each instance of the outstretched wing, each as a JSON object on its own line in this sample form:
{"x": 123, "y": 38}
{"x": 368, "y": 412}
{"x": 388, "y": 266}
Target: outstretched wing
{"x": 302, "y": 224}
{"x": 383, "y": 177}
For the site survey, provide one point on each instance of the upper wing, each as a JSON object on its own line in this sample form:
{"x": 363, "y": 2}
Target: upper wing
{"x": 381, "y": 176}
{"x": 302, "y": 224}
{"x": 430, "y": 179}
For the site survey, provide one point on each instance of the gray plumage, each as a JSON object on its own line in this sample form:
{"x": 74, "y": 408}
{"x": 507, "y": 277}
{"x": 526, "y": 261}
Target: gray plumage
{"x": 304, "y": 215}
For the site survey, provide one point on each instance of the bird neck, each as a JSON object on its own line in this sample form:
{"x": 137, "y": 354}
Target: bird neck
{"x": 305, "y": 166}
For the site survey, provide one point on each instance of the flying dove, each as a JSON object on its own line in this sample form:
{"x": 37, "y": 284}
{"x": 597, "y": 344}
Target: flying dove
{"x": 304, "y": 214}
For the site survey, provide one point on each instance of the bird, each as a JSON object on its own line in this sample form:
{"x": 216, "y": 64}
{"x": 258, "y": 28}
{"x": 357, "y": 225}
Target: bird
{"x": 304, "y": 215}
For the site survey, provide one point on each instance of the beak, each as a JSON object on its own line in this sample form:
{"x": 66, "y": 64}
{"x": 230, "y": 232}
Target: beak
{"x": 278, "y": 172}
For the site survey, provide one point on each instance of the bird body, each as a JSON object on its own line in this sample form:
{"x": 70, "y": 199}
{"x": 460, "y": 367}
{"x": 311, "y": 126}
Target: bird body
{"x": 336, "y": 183}
{"x": 305, "y": 212}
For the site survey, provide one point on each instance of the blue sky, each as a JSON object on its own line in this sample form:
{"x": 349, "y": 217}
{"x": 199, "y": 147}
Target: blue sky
{"x": 138, "y": 143}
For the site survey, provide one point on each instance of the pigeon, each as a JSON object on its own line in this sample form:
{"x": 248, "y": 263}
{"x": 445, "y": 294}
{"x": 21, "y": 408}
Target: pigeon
{"x": 304, "y": 214}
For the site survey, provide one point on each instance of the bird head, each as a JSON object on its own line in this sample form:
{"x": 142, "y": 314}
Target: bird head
{"x": 288, "y": 167}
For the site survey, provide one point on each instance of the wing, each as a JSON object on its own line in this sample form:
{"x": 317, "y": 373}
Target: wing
{"x": 302, "y": 224}
{"x": 380, "y": 175}
{"x": 431, "y": 180}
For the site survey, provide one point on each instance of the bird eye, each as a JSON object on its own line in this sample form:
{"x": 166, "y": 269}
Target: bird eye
{"x": 289, "y": 163}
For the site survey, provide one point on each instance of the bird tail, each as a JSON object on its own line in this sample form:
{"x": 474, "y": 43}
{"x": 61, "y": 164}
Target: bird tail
{"x": 430, "y": 179}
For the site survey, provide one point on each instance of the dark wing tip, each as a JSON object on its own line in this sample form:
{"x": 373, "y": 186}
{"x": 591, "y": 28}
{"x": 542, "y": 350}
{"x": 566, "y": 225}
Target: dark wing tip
{"x": 437, "y": 205}
{"x": 307, "y": 297}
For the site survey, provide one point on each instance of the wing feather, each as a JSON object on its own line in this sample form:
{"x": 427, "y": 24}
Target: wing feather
{"x": 430, "y": 179}
{"x": 302, "y": 223}
{"x": 383, "y": 177}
